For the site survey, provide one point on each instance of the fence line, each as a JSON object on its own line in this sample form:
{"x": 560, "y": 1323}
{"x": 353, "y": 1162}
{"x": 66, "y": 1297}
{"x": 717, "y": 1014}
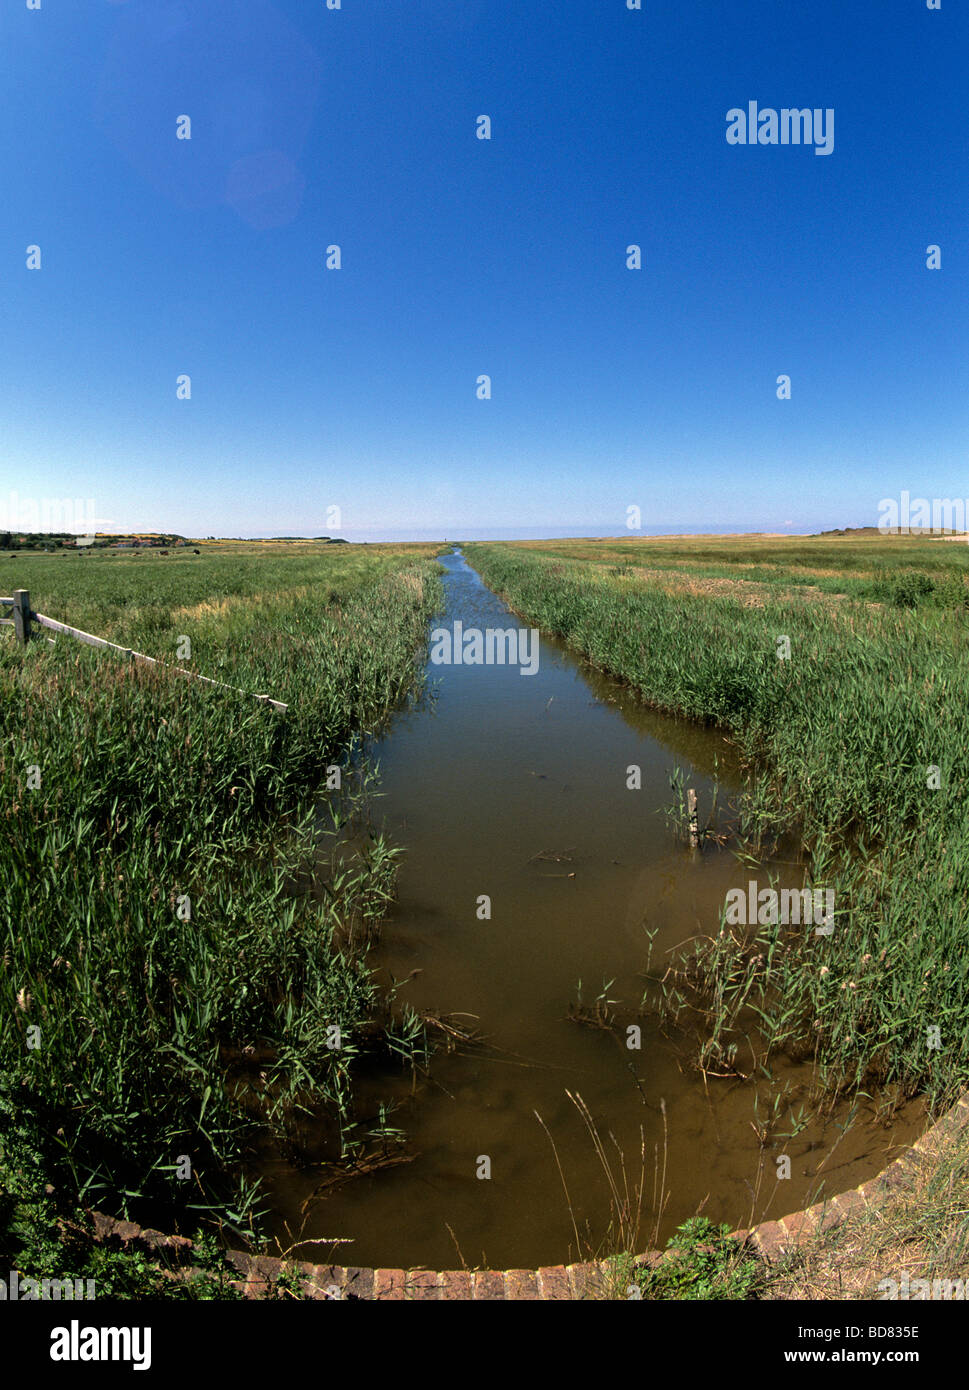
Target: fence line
{"x": 23, "y": 616}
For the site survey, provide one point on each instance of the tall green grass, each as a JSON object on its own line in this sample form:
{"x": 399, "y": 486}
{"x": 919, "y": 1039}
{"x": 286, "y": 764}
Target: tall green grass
{"x": 838, "y": 742}
{"x": 177, "y": 920}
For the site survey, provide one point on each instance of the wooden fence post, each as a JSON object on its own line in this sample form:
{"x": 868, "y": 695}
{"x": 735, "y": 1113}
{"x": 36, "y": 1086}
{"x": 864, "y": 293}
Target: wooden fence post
{"x": 21, "y": 615}
{"x": 694, "y": 822}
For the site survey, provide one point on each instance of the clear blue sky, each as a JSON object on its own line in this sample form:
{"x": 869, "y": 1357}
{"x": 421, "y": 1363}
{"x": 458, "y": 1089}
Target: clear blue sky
{"x": 355, "y": 387}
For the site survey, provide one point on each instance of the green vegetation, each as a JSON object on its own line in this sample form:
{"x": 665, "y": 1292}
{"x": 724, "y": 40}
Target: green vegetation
{"x": 701, "y": 1262}
{"x": 840, "y": 742}
{"x": 872, "y": 569}
{"x": 35, "y": 540}
{"x": 61, "y": 540}
{"x": 185, "y": 909}
{"x": 41, "y": 1239}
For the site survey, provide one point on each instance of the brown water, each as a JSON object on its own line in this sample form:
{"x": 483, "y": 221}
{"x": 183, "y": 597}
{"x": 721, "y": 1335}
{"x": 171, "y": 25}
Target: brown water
{"x": 496, "y": 769}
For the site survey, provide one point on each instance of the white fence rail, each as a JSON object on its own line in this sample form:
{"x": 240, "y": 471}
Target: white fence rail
{"x": 23, "y": 617}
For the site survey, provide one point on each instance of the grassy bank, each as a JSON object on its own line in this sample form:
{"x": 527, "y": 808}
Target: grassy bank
{"x": 177, "y": 943}
{"x": 841, "y": 740}
{"x": 918, "y": 1231}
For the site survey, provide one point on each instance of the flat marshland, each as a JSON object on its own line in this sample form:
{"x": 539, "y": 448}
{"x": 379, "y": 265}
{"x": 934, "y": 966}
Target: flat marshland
{"x": 165, "y": 994}
{"x": 188, "y": 903}
{"x": 854, "y": 741}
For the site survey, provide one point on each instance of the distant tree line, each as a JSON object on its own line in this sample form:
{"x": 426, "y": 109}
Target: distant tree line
{"x": 34, "y": 540}
{"x": 60, "y": 540}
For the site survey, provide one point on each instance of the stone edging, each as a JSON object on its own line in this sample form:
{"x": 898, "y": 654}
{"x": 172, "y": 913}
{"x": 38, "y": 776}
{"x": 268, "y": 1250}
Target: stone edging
{"x": 771, "y": 1240}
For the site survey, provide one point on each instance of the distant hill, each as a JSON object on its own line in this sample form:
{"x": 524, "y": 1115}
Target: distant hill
{"x": 890, "y": 531}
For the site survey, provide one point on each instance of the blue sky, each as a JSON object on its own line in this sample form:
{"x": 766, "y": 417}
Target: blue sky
{"x": 356, "y": 388}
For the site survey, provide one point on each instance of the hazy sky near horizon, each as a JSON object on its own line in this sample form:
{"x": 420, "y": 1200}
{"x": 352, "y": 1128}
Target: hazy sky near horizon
{"x": 357, "y": 388}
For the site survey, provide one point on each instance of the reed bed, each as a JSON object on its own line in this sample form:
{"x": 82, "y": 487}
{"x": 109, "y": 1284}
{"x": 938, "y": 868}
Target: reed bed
{"x": 177, "y": 941}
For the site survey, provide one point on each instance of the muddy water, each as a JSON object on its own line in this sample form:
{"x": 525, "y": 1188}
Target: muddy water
{"x": 494, "y": 771}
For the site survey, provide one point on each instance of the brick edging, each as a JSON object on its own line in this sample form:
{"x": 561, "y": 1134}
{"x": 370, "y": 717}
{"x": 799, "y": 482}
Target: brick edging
{"x": 771, "y": 1239}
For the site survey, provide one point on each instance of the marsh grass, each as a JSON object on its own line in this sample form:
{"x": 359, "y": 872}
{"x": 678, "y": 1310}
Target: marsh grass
{"x": 156, "y": 791}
